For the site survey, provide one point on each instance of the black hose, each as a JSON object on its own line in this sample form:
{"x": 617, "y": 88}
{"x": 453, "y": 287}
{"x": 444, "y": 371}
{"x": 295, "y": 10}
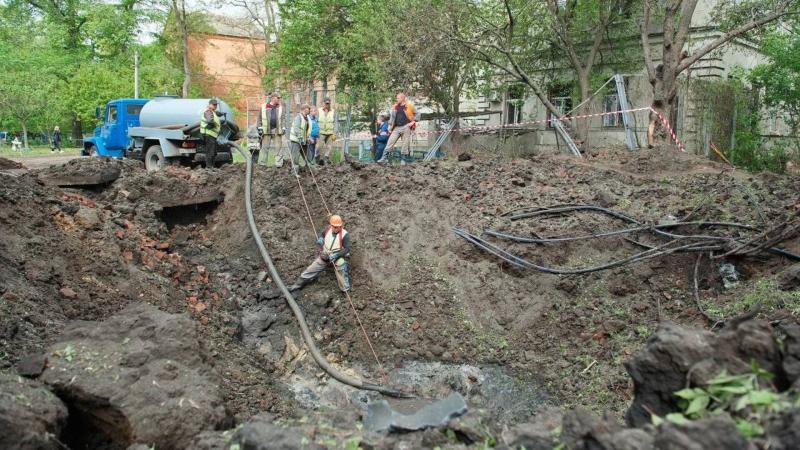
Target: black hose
{"x": 189, "y": 128}
{"x": 306, "y": 333}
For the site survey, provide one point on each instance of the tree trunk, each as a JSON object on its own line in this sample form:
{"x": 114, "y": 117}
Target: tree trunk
{"x": 24, "y": 134}
{"x": 77, "y": 127}
{"x": 583, "y": 124}
{"x": 665, "y": 91}
{"x": 187, "y": 75}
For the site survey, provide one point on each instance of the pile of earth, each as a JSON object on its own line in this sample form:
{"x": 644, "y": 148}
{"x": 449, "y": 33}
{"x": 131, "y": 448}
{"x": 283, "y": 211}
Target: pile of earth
{"x": 179, "y": 240}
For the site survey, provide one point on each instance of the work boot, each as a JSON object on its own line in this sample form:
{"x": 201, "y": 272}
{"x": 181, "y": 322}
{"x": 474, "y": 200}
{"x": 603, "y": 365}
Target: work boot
{"x": 298, "y": 284}
{"x": 327, "y": 161}
{"x": 318, "y": 160}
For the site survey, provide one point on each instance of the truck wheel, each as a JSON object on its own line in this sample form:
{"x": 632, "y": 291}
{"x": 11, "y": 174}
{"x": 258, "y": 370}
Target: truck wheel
{"x": 93, "y": 152}
{"x": 154, "y": 159}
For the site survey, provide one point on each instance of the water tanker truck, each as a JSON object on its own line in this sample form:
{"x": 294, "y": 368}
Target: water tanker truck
{"x": 163, "y": 131}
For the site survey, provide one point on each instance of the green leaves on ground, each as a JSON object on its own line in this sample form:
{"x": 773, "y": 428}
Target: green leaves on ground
{"x": 748, "y": 398}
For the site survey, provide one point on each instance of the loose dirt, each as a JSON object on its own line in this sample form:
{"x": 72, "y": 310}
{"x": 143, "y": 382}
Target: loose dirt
{"x": 179, "y": 240}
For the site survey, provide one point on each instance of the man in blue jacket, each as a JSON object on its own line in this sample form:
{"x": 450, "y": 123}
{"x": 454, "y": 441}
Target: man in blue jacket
{"x": 383, "y": 137}
{"x": 312, "y": 142}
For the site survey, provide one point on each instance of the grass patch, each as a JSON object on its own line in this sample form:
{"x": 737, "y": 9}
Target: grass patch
{"x": 764, "y": 292}
{"x": 6, "y": 152}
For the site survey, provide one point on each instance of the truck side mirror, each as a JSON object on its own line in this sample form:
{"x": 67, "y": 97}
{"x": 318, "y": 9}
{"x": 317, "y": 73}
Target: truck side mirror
{"x": 97, "y": 113}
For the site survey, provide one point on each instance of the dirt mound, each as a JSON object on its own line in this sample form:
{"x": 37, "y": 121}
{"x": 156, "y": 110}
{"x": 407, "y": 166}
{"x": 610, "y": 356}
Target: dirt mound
{"x": 440, "y": 313}
{"x": 31, "y": 417}
{"x": 7, "y": 164}
{"x": 84, "y": 172}
{"x": 137, "y": 377}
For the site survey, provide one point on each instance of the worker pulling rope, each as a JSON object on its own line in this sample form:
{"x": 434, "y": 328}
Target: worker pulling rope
{"x": 341, "y": 274}
{"x": 304, "y": 331}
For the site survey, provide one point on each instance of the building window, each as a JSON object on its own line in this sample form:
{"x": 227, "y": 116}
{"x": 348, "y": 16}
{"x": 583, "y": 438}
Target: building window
{"x": 314, "y": 98}
{"x": 513, "y": 111}
{"x": 611, "y": 104}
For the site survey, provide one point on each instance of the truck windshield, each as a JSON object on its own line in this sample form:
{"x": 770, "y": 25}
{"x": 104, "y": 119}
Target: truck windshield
{"x": 133, "y": 110}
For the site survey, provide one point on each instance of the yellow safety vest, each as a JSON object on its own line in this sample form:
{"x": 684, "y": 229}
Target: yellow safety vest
{"x": 305, "y": 130}
{"x": 333, "y": 243}
{"x": 265, "y": 119}
{"x": 204, "y": 125}
{"x": 326, "y": 123}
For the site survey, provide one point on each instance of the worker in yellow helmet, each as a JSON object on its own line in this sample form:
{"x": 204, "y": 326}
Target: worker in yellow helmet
{"x": 334, "y": 243}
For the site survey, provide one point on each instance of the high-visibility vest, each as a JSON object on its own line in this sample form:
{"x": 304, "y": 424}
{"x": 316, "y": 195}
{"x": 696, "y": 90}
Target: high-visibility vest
{"x": 265, "y": 116}
{"x": 204, "y": 125}
{"x": 333, "y": 243}
{"x": 305, "y": 130}
{"x": 326, "y": 121}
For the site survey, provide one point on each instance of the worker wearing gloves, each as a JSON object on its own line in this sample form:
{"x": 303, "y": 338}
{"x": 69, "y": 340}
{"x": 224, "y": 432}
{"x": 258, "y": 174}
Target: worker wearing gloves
{"x": 210, "y": 126}
{"x": 334, "y": 243}
{"x": 328, "y": 127}
{"x": 270, "y": 123}
{"x": 300, "y": 136}
{"x": 403, "y": 121}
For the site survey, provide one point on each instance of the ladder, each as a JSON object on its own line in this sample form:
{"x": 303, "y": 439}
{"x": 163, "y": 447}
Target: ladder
{"x": 626, "y": 116}
{"x": 566, "y": 137}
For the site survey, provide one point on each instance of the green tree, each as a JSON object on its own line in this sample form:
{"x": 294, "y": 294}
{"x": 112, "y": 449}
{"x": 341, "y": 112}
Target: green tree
{"x": 780, "y": 77}
{"x": 732, "y": 18}
{"x": 26, "y": 82}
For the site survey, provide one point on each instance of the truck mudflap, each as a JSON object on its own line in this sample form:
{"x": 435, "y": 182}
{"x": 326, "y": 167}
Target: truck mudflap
{"x": 222, "y": 157}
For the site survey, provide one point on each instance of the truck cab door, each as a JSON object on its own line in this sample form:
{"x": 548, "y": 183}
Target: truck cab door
{"x": 111, "y": 128}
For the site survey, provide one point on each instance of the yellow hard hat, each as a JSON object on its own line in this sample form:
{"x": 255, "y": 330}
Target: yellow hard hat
{"x": 336, "y": 221}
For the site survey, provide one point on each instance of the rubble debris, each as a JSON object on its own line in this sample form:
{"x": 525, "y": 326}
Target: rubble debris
{"x": 31, "y": 417}
{"x": 381, "y": 416}
{"x": 730, "y": 276}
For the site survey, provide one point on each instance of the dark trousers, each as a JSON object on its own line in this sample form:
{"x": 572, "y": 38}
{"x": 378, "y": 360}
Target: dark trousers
{"x": 211, "y": 151}
{"x": 379, "y": 152}
{"x": 312, "y": 149}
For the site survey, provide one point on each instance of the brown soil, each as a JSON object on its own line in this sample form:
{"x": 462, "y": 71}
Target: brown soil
{"x": 422, "y": 292}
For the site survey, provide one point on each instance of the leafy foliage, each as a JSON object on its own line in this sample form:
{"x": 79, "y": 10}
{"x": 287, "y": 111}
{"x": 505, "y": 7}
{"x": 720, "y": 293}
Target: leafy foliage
{"x": 748, "y": 398}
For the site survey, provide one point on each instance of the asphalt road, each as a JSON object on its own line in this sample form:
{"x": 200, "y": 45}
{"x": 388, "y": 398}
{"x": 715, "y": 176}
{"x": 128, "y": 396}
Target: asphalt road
{"x": 43, "y": 162}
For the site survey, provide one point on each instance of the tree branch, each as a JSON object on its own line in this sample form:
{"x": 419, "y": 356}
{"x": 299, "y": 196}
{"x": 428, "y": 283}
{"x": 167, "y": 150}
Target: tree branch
{"x": 711, "y": 46}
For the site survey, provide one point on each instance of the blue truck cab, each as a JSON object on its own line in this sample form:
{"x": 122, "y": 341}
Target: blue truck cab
{"x": 111, "y": 138}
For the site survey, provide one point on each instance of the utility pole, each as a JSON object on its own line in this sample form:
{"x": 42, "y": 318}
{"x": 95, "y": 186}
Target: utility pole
{"x": 135, "y": 74}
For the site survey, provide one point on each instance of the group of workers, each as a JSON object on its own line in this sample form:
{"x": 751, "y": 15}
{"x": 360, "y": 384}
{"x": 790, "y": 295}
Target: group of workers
{"x": 313, "y": 131}
{"x": 311, "y": 136}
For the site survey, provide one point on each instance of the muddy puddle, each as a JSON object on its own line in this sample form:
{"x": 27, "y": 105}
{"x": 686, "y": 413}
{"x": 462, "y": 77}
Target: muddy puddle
{"x": 508, "y": 399}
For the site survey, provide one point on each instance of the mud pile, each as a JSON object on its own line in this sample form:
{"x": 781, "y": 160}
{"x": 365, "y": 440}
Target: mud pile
{"x": 442, "y": 315}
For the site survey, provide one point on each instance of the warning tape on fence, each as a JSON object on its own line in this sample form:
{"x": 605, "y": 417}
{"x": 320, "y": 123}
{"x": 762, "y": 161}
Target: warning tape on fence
{"x": 367, "y": 135}
{"x": 664, "y": 121}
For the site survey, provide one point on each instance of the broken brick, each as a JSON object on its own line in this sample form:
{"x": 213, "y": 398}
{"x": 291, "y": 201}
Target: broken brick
{"x": 204, "y": 320}
{"x": 67, "y": 292}
{"x": 128, "y": 255}
{"x": 415, "y": 326}
{"x": 200, "y": 307}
